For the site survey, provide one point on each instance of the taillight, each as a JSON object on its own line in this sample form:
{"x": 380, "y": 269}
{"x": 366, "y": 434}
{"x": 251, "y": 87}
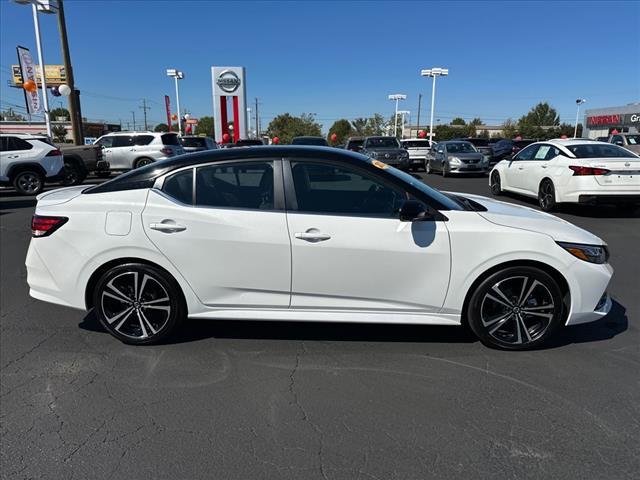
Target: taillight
{"x": 42, "y": 226}
{"x": 166, "y": 151}
{"x": 579, "y": 171}
{"x": 54, "y": 153}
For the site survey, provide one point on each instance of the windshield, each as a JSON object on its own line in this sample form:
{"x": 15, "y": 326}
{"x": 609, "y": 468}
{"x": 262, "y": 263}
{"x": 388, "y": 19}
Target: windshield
{"x": 438, "y": 196}
{"x": 194, "y": 142}
{"x": 355, "y": 143}
{"x": 460, "y": 147}
{"x": 633, "y": 139}
{"x": 600, "y": 150}
{"x": 382, "y": 142}
{"x": 249, "y": 142}
{"x": 416, "y": 144}
{"x": 170, "y": 139}
{"x": 309, "y": 141}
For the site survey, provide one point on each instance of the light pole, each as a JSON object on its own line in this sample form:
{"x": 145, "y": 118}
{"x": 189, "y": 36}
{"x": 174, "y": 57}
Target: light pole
{"x": 45, "y": 6}
{"x": 433, "y": 72}
{"x": 249, "y": 122}
{"x": 403, "y": 113}
{"x": 177, "y": 75}
{"x": 396, "y": 97}
{"x": 579, "y": 102}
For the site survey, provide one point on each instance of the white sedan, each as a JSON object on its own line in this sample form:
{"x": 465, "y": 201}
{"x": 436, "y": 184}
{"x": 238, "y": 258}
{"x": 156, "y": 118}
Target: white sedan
{"x": 309, "y": 233}
{"x": 570, "y": 171}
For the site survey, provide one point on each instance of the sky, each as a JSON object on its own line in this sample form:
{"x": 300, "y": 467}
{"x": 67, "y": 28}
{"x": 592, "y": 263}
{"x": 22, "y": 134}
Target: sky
{"x": 339, "y": 59}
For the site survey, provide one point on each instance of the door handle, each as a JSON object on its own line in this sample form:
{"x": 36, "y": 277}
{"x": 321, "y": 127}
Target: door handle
{"x": 520, "y": 168}
{"x": 543, "y": 166}
{"x": 167, "y": 227}
{"x": 312, "y": 236}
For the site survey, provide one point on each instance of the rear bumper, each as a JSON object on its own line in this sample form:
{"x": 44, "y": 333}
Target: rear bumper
{"x": 57, "y": 177}
{"x": 597, "y": 199}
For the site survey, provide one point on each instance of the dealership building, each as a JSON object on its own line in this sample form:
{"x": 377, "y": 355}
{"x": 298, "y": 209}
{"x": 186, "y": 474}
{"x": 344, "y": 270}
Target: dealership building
{"x": 600, "y": 122}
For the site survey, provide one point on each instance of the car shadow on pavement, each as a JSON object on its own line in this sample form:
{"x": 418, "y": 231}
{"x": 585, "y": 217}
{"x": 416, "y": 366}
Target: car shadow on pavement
{"x": 14, "y": 204}
{"x": 201, "y": 329}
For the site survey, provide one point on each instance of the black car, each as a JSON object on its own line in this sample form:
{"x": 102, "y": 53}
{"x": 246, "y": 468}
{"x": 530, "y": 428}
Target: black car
{"x": 507, "y": 148}
{"x": 354, "y": 144}
{"x": 387, "y": 150}
{"x": 198, "y": 144}
{"x": 245, "y": 142}
{"x": 315, "y": 141}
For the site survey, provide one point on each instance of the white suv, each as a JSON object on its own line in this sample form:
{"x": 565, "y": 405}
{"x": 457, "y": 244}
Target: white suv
{"x": 27, "y": 162}
{"x": 128, "y": 150}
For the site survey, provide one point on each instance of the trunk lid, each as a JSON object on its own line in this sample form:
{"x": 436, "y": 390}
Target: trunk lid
{"x": 61, "y": 195}
{"x": 622, "y": 171}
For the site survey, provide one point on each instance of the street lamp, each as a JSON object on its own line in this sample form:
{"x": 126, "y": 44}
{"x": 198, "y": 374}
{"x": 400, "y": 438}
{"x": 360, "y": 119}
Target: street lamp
{"x": 403, "y": 113}
{"x": 45, "y": 6}
{"x": 433, "y": 72}
{"x": 579, "y": 102}
{"x": 177, "y": 75}
{"x": 396, "y": 97}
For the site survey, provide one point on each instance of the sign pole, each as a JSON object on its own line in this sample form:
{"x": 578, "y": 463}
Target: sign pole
{"x": 43, "y": 82}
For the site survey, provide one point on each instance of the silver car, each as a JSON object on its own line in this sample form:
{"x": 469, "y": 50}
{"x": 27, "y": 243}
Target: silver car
{"x": 453, "y": 157}
{"x": 128, "y": 150}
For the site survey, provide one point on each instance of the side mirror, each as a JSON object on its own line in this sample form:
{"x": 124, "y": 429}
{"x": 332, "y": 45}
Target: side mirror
{"x": 413, "y": 211}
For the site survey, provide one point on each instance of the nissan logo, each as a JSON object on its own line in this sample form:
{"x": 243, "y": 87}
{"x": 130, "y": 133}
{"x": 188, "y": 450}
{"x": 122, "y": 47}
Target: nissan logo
{"x": 228, "y": 81}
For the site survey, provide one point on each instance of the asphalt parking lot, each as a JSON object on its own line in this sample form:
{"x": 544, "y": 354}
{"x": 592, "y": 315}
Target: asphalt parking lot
{"x": 241, "y": 400}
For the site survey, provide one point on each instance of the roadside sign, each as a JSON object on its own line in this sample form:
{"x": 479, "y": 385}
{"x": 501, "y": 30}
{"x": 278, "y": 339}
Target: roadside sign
{"x": 27, "y": 70}
{"x": 89, "y": 140}
{"x": 56, "y": 75}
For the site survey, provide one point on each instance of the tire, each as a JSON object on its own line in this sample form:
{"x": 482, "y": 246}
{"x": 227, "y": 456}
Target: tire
{"x": 141, "y": 162}
{"x": 138, "y": 304}
{"x": 28, "y": 182}
{"x": 444, "y": 170}
{"x": 547, "y": 196}
{"x": 74, "y": 174}
{"x": 507, "y": 309}
{"x": 427, "y": 167}
{"x": 495, "y": 184}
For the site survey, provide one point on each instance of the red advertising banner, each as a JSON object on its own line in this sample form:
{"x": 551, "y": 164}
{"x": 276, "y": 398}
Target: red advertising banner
{"x": 167, "y": 104}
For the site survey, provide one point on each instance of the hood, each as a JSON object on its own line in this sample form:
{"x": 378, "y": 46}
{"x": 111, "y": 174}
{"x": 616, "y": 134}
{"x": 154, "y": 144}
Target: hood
{"x": 61, "y": 195}
{"x": 386, "y": 150}
{"x": 470, "y": 155}
{"x": 525, "y": 218}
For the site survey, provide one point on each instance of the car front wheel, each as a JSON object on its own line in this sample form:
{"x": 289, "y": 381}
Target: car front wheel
{"x": 138, "y": 304}
{"x": 496, "y": 187}
{"x": 517, "y": 308}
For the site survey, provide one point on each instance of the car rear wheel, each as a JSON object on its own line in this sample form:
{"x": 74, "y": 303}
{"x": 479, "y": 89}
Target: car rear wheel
{"x": 28, "y": 182}
{"x": 141, "y": 162}
{"x": 517, "y": 308}
{"x": 427, "y": 167}
{"x": 138, "y": 304}
{"x": 496, "y": 187}
{"x": 547, "y": 196}
{"x": 73, "y": 174}
{"x": 444, "y": 170}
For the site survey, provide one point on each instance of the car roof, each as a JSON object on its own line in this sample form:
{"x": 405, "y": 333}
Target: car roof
{"x": 24, "y": 135}
{"x": 415, "y": 140}
{"x": 567, "y": 142}
{"x": 309, "y": 136}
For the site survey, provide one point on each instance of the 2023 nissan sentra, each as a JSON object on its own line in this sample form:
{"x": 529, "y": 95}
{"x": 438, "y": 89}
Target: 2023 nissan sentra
{"x": 309, "y": 233}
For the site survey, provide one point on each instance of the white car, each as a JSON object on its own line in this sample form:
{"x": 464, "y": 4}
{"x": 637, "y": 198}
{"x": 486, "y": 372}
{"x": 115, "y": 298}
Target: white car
{"x": 570, "y": 171}
{"x": 418, "y": 149}
{"x": 27, "y": 162}
{"x": 309, "y": 233}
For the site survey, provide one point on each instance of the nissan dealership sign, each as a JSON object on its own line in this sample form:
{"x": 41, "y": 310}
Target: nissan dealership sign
{"x": 228, "y": 81}
{"x": 625, "y": 120}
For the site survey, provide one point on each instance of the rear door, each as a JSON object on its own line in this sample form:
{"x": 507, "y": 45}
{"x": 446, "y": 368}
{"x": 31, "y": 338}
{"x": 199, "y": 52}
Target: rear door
{"x": 229, "y": 238}
{"x": 349, "y": 248}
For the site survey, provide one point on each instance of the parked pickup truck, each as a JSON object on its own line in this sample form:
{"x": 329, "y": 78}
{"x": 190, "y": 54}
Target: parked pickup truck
{"x": 80, "y": 161}
{"x": 630, "y": 141}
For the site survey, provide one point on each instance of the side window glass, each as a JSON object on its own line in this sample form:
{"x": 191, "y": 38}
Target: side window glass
{"x": 545, "y": 152}
{"x": 142, "y": 139}
{"x": 180, "y": 186}
{"x": 122, "y": 141}
{"x": 331, "y": 189}
{"x": 16, "y": 144}
{"x": 4, "y": 144}
{"x": 241, "y": 185}
{"x": 528, "y": 153}
{"x": 106, "y": 142}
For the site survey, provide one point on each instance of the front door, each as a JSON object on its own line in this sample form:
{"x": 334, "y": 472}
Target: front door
{"x": 349, "y": 249}
{"x": 228, "y": 239}
{"x": 519, "y": 167}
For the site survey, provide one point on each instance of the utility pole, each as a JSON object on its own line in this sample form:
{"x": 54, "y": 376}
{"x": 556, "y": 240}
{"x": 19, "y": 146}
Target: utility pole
{"x": 133, "y": 114}
{"x": 74, "y": 98}
{"x": 144, "y": 109}
{"x": 257, "y": 120}
{"x": 419, "y": 106}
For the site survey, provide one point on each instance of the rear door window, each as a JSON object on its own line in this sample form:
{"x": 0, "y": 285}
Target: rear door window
{"x": 17, "y": 144}
{"x": 142, "y": 139}
{"x": 180, "y": 186}
{"x": 122, "y": 141}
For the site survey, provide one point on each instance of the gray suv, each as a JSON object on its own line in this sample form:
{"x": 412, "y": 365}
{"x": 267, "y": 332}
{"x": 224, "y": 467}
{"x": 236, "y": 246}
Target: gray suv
{"x": 387, "y": 150}
{"x": 128, "y": 150}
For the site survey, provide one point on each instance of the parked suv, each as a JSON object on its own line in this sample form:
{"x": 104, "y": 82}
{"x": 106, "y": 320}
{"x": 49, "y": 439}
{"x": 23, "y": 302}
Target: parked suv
{"x": 354, "y": 144}
{"x": 26, "y": 163}
{"x": 418, "y": 149}
{"x": 630, "y": 141}
{"x": 127, "y": 150}
{"x": 387, "y": 150}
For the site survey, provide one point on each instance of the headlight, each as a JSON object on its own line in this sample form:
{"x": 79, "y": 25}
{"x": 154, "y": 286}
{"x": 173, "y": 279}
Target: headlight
{"x": 454, "y": 160}
{"x": 373, "y": 154}
{"x": 588, "y": 253}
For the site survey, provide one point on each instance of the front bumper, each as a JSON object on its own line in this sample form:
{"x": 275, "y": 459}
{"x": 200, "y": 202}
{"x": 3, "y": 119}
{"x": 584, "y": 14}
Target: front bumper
{"x": 588, "y": 284}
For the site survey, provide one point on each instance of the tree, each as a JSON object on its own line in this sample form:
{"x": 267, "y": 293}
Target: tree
{"x": 11, "y": 116}
{"x": 476, "y": 121}
{"x": 376, "y": 125}
{"x": 360, "y": 126}
{"x": 59, "y": 133}
{"x": 542, "y": 115}
{"x": 205, "y": 126}
{"x": 163, "y": 127}
{"x": 484, "y": 134}
{"x": 342, "y": 128}
{"x": 59, "y": 112}
{"x": 509, "y": 128}
{"x": 458, "y": 121}
{"x": 285, "y": 126}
